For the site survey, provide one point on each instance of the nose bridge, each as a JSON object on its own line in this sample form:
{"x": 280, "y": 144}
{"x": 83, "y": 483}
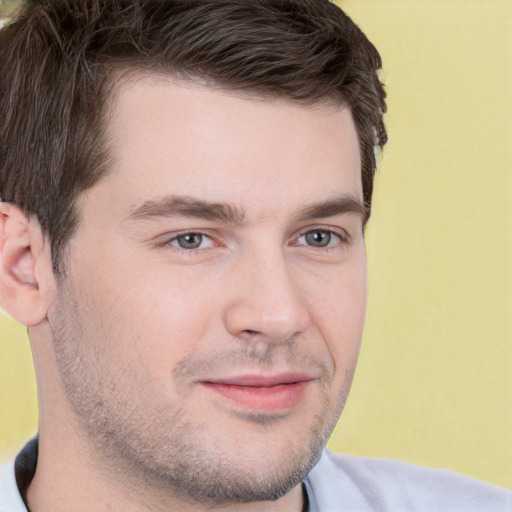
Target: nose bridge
{"x": 266, "y": 300}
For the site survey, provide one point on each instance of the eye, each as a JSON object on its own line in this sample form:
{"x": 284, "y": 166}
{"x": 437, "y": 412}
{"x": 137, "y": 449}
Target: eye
{"x": 318, "y": 238}
{"x": 191, "y": 241}
{"x": 321, "y": 238}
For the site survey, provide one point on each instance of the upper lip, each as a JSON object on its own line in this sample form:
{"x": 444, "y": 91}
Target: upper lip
{"x": 263, "y": 381}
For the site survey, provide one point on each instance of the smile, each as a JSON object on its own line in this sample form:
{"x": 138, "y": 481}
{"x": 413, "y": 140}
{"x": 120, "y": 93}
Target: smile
{"x": 269, "y": 394}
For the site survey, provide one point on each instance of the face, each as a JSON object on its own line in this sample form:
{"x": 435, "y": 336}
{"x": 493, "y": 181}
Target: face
{"x": 209, "y": 322}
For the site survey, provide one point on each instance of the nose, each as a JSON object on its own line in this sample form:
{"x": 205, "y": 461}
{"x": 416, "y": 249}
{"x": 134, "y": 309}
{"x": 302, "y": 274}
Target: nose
{"x": 266, "y": 302}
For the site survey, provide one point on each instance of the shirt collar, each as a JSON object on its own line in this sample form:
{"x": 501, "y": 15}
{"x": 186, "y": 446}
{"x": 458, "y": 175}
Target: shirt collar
{"x": 25, "y": 467}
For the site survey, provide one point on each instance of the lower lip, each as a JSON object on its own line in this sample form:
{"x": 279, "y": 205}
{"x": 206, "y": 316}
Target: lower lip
{"x": 269, "y": 399}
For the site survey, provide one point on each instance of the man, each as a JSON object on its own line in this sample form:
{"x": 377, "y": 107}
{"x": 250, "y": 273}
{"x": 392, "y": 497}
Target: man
{"x": 185, "y": 186}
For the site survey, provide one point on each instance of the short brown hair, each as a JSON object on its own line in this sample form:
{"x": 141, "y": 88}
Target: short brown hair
{"x": 58, "y": 62}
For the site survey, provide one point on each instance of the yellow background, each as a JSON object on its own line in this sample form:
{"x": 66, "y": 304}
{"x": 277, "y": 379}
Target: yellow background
{"x": 434, "y": 383}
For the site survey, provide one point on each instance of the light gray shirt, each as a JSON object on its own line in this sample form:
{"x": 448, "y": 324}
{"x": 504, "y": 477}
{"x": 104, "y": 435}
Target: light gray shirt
{"x": 344, "y": 483}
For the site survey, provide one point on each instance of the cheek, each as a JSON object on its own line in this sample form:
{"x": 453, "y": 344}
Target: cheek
{"x": 142, "y": 314}
{"x": 165, "y": 321}
{"x": 339, "y": 310}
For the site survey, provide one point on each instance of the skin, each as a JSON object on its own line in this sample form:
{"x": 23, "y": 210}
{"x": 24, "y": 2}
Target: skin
{"x": 137, "y": 349}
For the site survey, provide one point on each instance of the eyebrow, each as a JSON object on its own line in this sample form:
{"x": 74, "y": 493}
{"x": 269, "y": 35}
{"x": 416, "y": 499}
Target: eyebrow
{"x": 187, "y": 206}
{"x": 346, "y": 203}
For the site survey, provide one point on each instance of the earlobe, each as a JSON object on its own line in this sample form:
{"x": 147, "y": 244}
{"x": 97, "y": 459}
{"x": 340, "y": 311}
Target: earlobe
{"x": 26, "y": 274}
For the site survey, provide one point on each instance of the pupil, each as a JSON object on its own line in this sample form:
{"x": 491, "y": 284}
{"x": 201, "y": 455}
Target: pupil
{"x": 190, "y": 241}
{"x": 318, "y": 238}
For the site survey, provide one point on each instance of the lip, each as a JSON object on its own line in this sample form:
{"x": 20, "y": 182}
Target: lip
{"x": 275, "y": 393}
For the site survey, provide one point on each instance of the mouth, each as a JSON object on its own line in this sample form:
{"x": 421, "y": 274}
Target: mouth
{"x": 276, "y": 393}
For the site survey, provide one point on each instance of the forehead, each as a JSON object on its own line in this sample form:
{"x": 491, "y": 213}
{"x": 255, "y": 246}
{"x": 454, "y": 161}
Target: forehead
{"x": 173, "y": 136}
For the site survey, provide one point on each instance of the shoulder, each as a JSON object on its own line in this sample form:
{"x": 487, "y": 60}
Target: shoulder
{"x": 10, "y": 499}
{"x": 362, "y": 484}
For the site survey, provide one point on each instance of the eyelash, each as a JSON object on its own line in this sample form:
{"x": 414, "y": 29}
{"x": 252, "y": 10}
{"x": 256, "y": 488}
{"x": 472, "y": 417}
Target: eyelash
{"x": 168, "y": 242}
{"x": 343, "y": 237}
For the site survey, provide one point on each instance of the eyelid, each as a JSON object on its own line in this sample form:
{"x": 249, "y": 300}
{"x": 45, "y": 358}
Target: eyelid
{"x": 166, "y": 240}
{"x": 344, "y": 237}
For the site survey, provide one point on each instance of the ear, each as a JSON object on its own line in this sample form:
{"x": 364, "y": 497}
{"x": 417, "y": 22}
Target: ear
{"x": 27, "y": 283}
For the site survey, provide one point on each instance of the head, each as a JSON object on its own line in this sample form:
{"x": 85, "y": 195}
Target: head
{"x": 200, "y": 173}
